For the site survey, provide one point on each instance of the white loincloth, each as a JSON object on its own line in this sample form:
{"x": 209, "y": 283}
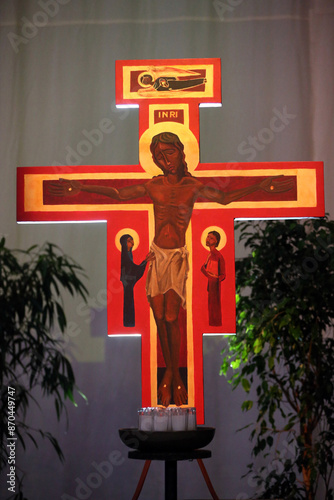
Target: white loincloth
{"x": 169, "y": 271}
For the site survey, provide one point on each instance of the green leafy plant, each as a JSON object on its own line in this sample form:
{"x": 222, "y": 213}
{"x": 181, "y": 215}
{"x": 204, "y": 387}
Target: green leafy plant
{"x": 283, "y": 353}
{"x": 31, "y": 305}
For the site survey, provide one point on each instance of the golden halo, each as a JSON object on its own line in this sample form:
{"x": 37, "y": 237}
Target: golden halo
{"x": 127, "y": 230}
{"x": 191, "y": 149}
{"x": 223, "y": 237}
{"x": 145, "y": 85}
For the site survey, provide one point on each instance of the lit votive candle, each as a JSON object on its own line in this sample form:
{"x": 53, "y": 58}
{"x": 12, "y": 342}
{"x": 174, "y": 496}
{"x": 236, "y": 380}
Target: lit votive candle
{"x": 160, "y": 420}
{"x": 169, "y": 413}
{"x": 145, "y": 419}
{"x": 191, "y": 424}
{"x": 179, "y": 419}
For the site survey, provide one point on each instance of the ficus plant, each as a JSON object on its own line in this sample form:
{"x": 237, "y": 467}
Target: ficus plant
{"x": 32, "y": 355}
{"x": 283, "y": 354}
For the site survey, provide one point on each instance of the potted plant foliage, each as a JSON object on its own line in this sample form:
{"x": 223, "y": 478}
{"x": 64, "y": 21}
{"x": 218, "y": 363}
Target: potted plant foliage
{"x": 31, "y": 287}
{"x": 283, "y": 354}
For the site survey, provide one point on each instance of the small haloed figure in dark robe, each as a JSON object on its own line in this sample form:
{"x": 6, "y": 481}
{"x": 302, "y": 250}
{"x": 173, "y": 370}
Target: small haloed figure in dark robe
{"x": 214, "y": 270}
{"x": 130, "y": 274}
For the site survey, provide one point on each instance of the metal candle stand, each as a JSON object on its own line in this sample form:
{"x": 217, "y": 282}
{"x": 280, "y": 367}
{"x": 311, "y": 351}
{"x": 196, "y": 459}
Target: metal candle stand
{"x": 169, "y": 447}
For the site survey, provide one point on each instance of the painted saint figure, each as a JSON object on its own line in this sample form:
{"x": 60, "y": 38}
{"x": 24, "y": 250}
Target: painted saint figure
{"x": 169, "y": 83}
{"x": 214, "y": 270}
{"x": 173, "y": 195}
{"x": 168, "y": 79}
{"x": 130, "y": 274}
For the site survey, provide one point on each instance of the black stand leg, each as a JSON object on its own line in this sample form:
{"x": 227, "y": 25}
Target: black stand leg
{"x": 170, "y": 480}
{"x": 171, "y": 458}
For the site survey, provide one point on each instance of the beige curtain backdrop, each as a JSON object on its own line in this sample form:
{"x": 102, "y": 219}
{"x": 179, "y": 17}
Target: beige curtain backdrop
{"x": 57, "y": 81}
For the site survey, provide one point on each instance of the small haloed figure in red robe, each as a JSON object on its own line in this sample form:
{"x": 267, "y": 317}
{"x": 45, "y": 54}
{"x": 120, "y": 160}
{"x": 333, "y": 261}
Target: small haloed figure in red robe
{"x": 214, "y": 270}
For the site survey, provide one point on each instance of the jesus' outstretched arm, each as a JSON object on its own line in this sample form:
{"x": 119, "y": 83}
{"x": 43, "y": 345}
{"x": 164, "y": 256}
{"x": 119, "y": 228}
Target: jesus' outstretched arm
{"x": 66, "y": 187}
{"x": 271, "y": 185}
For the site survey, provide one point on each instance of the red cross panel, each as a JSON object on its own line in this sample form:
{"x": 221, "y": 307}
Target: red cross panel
{"x": 144, "y": 203}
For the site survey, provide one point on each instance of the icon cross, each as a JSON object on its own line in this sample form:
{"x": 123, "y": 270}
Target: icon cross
{"x": 133, "y": 199}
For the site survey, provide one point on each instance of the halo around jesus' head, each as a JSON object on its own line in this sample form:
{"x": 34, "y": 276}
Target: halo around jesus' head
{"x": 187, "y": 138}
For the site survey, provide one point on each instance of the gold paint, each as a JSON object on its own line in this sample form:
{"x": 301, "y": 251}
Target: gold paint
{"x": 188, "y": 139}
{"x": 127, "y": 230}
{"x": 306, "y": 191}
{"x": 207, "y": 93}
{"x": 33, "y": 188}
{"x": 153, "y": 327}
{"x": 223, "y": 237}
{"x": 157, "y": 107}
{"x": 190, "y": 330}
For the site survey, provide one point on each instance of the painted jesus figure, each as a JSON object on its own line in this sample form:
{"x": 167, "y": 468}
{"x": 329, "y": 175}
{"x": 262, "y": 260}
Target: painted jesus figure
{"x": 173, "y": 194}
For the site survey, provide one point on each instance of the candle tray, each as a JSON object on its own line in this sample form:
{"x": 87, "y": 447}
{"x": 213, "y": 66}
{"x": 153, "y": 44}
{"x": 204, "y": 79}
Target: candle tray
{"x": 167, "y": 441}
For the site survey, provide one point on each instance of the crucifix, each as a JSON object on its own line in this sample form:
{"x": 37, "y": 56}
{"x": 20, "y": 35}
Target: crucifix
{"x": 160, "y": 212}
